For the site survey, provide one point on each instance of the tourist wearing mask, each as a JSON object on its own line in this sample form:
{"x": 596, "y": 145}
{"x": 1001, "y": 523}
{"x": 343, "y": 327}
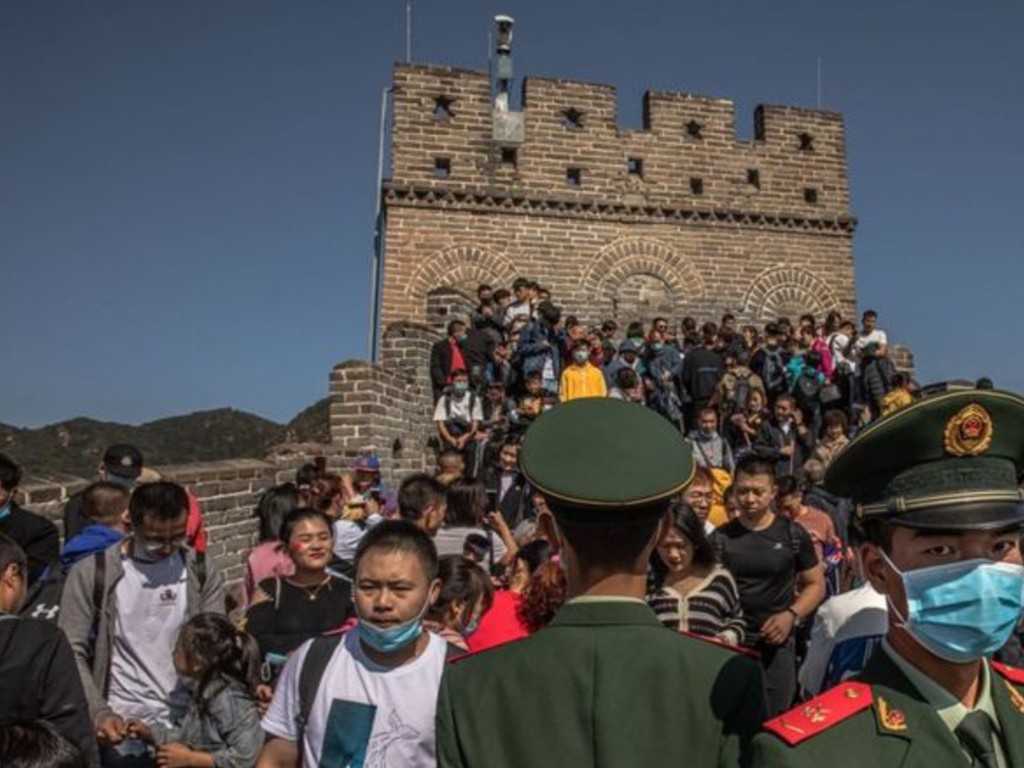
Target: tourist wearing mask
{"x": 581, "y": 378}
{"x": 710, "y": 450}
{"x": 690, "y": 591}
{"x": 466, "y": 595}
{"x": 373, "y": 698}
{"x": 36, "y": 659}
{"x": 121, "y": 611}
{"x": 288, "y": 610}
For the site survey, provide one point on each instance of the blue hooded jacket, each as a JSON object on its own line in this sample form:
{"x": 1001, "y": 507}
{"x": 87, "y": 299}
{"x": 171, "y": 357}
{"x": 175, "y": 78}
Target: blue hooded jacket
{"x": 91, "y": 539}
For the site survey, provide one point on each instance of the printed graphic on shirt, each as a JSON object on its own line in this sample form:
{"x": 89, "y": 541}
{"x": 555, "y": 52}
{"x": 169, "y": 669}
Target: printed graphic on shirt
{"x": 347, "y": 734}
{"x": 347, "y": 737}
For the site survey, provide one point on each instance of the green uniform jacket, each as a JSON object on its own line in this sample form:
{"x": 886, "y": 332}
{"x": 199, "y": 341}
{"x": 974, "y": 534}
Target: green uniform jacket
{"x": 882, "y": 721}
{"x": 604, "y": 685}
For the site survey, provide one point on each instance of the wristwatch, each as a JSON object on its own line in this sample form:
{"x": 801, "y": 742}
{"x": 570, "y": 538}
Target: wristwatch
{"x": 796, "y": 616}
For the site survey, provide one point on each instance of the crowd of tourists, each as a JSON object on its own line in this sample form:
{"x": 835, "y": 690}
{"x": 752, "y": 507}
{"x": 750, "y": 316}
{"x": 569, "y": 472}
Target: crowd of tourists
{"x": 377, "y": 625}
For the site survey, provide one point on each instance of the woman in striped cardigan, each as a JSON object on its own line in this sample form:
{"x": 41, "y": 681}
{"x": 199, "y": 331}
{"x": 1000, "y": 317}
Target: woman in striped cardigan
{"x": 689, "y": 590}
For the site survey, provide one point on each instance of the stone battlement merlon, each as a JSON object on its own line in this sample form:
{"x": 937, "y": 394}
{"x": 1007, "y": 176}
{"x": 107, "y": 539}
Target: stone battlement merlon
{"x": 686, "y": 153}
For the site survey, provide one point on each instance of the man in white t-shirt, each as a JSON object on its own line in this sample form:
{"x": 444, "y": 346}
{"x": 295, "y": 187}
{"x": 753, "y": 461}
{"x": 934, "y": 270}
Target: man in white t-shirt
{"x": 869, "y": 332}
{"x": 376, "y": 699}
{"x": 458, "y": 413}
{"x": 121, "y": 611}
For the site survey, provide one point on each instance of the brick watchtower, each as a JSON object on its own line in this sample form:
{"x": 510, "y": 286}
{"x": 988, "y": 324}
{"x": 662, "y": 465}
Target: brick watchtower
{"x": 678, "y": 218}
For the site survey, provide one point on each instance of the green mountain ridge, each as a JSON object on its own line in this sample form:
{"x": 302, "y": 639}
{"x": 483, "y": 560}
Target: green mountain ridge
{"x": 75, "y": 447}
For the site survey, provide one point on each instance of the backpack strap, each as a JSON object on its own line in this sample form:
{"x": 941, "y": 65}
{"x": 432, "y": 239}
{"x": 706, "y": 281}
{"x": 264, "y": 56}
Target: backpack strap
{"x": 201, "y": 570}
{"x": 99, "y": 584}
{"x": 313, "y": 667}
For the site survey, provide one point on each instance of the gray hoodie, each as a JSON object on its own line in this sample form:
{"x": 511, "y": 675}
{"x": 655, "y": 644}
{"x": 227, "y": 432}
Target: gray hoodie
{"x": 76, "y": 616}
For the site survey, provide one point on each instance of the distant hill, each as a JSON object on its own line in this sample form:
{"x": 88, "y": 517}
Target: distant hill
{"x": 76, "y": 447}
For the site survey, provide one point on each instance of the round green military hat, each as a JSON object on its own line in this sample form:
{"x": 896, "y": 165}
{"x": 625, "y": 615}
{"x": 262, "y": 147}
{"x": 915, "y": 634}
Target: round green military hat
{"x": 948, "y": 461}
{"x": 605, "y": 461}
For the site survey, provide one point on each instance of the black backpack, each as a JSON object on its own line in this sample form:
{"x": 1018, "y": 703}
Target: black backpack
{"x": 807, "y": 391}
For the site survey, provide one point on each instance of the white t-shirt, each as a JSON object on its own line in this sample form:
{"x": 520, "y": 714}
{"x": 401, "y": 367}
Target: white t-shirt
{"x": 460, "y": 408}
{"x": 847, "y": 629}
{"x": 348, "y": 534}
{"x": 363, "y": 714}
{"x": 518, "y": 309}
{"x": 875, "y": 337}
{"x": 150, "y": 611}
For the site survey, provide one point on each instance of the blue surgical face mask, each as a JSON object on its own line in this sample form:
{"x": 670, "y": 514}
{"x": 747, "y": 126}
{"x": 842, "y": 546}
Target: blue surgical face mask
{"x": 471, "y": 627}
{"x": 962, "y": 611}
{"x": 391, "y": 639}
{"x": 460, "y": 387}
{"x": 657, "y": 346}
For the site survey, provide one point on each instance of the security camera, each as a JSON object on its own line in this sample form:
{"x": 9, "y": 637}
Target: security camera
{"x": 504, "y": 40}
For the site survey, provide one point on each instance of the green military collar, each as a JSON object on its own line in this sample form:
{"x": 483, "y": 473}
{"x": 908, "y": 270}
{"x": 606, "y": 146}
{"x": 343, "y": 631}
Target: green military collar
{"x": 591, "y": 612}
{"x": 949, "y": 709}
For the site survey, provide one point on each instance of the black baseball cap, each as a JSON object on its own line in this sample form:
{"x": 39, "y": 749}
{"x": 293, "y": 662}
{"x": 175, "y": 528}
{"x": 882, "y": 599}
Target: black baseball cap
{"x": 123, "y": 460}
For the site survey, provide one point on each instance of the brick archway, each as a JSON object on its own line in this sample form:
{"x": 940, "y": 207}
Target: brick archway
{"x": 783, "y": 290}
{"x": 462, "y": 267}
{"x": 608, "y": 275}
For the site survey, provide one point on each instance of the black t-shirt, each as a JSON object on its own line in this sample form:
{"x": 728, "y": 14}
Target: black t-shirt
{"x": 765, "y": 564}
{"x": 286, "y": 621}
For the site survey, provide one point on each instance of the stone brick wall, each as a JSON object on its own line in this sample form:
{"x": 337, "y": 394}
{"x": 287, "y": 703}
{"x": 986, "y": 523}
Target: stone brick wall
{"x": 680, "y": 216}
{"x": 388, "y": 406}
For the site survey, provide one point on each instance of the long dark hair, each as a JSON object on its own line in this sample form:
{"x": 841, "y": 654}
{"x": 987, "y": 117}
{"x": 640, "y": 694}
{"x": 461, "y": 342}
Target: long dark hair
{"x": 534, "y": 554}
{"x": 216, "y": 648}
{"x": 464, "y": 580}
{"x": 273, "y": 505}
{"x": 467, "y": 503}
{"x": 687, "y": 523}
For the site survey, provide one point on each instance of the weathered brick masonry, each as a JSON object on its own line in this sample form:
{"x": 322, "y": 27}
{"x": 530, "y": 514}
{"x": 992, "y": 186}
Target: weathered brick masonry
{"x": 678, "y": 218}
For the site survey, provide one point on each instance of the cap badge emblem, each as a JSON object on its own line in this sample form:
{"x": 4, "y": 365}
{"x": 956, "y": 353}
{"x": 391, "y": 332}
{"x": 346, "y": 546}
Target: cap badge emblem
{"x": 969, "y": 433}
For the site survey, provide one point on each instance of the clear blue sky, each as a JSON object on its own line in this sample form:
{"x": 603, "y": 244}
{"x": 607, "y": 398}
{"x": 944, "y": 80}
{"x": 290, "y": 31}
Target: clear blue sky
{"x": 187, "y": 188}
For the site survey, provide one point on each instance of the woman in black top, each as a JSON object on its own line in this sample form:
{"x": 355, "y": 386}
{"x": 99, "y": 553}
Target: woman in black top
{"x": 287, "y": 611}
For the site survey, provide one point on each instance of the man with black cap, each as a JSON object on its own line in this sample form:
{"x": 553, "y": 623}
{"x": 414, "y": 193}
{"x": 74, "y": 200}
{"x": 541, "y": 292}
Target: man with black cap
{"x": 122, "y": 464}
{"x": 939, "y": 504}
{"x": 604, "y": 684}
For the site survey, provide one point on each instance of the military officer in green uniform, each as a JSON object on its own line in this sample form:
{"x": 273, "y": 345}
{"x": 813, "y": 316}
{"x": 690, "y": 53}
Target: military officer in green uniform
{"x": 937, "y": 489}
{"x": 605, "y": 684}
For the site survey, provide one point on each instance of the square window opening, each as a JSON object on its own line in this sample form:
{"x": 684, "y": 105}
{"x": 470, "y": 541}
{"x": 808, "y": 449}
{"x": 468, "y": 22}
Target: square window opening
{"x": 754, "y": 178}
{"x": 694, "y": 130}
{"x": 574, "y": 177}
{"x": 810, "y": 195}
{"x": 443, "y": 108}
{"x": 442, "y": 167}
{"x": 635, "y": 166}
{"x": 806, "y": 142}
{"x": 572, "y": 119}
{"x": 509, "y": 156}
{"x": 697, "y": 185}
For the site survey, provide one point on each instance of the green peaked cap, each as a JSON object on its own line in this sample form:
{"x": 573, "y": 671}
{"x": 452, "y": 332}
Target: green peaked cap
{"x": 948, "y": 461}
{"x": 605, "y": 461}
